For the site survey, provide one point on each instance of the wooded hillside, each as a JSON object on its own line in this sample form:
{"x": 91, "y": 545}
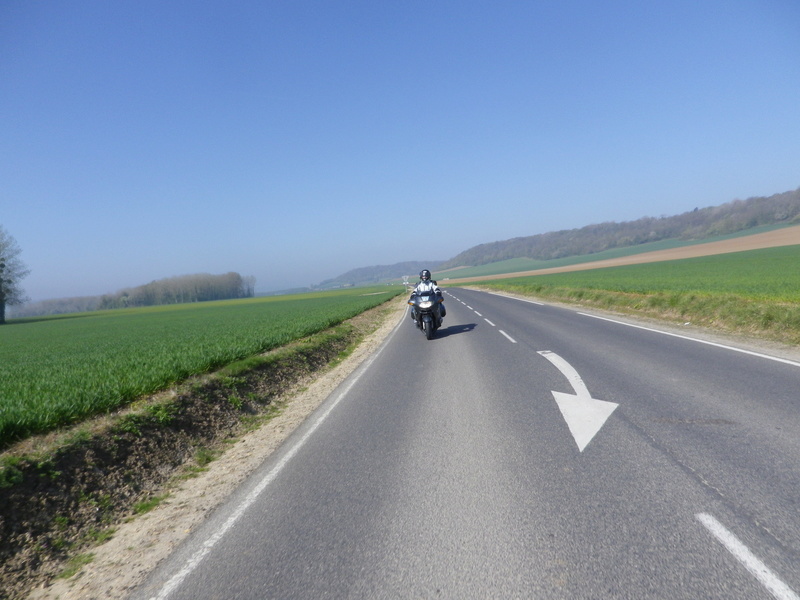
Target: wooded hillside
{"x": 701, "y": 223}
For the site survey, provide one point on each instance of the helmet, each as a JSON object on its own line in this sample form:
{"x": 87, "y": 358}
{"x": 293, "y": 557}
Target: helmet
{"x": 425, "y": 275}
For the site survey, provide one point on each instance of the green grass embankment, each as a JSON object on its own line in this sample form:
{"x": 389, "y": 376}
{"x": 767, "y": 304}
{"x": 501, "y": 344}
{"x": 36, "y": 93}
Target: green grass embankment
{"x": 63, "y": 493}
{"x": 755, "y": 292}
{"x": 60, "y": 370}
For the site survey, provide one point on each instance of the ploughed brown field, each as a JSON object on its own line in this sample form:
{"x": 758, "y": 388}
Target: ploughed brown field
{"x": 789, "y": 236}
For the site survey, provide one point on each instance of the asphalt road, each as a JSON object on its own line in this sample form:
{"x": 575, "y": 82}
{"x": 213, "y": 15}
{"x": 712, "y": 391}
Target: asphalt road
{"x": 528, "y": 451}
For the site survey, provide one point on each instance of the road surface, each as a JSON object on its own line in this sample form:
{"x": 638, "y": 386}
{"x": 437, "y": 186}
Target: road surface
{"x": 528, "y": 451}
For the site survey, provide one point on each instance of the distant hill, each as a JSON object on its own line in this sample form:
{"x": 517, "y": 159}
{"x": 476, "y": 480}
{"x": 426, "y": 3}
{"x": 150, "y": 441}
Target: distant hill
{"x": 380, "y": 273}
{"x": 698, "y": 224}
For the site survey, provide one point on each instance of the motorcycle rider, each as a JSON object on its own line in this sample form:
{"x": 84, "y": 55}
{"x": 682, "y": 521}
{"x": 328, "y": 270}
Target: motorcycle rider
{"x": 427, "y": 285}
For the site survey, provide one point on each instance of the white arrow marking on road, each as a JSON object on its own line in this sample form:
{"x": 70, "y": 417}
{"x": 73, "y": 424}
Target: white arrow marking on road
{"x": 585, "y": 416}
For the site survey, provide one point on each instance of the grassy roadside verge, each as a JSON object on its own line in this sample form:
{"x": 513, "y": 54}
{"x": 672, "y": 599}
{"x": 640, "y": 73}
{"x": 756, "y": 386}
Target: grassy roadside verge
{"x": 60, "y": 494}
{"x": 775, "y": 321}
{"x": 755, "y": 293}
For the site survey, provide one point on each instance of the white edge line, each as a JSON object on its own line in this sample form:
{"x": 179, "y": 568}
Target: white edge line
{"x": 192, "y": 563}
{"x": 686, "y": 337}
{"x": 510, "y": 339}
{"x": 489, "y": 322}
{"x": 751, "y": 562}
{"x": 515, "y": 298}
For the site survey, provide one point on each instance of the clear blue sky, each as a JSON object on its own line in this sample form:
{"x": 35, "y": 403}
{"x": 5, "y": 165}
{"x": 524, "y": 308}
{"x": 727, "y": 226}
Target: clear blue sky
{"x": 293, "y": 141}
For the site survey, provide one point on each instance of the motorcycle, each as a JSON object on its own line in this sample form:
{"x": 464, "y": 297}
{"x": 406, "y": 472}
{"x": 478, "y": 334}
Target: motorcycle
{"x": 426, "y": 311}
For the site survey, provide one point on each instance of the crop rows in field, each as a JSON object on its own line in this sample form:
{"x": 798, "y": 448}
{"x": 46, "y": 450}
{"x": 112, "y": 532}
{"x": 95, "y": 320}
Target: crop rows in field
{"x": 769, "y": 274}
{"x": 60, "y": 370}
{"x": 517, "y": 265}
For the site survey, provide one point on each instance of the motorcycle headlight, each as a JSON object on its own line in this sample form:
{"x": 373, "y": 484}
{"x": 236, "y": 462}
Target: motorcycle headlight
{"x": 425, "y": 304}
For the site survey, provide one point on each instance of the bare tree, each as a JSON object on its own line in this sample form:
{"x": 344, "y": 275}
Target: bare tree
{"x": 12, "y": 271}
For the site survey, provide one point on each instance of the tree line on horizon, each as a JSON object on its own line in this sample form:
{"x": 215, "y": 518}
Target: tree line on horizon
{"x": 698, "y": 224}
{"x": 200, "y": 287}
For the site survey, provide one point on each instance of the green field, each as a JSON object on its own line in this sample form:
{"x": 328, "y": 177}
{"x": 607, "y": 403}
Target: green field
{"x": 754, "y": 292}
{"x": 770, "y": 273}
{"x": 517, "y": 265}
{"x": 59, "y": 370}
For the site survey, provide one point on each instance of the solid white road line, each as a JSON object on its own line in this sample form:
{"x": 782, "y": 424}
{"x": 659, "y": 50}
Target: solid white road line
{"x": 742, "y": 553}
{"x": 510, "y": 339}
{"x": 515, "y": 298}
{"x": 686, "y": 337}
{"x": 192, "y": 563}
